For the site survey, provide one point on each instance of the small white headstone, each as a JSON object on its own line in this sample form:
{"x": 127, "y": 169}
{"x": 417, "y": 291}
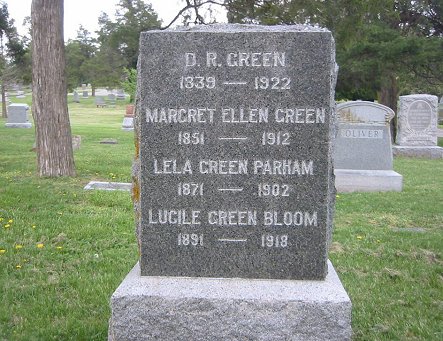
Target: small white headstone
{"x": 18, "y": 116}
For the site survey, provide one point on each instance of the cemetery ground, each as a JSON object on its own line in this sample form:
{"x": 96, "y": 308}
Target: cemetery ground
{"x": 64, "y": 250}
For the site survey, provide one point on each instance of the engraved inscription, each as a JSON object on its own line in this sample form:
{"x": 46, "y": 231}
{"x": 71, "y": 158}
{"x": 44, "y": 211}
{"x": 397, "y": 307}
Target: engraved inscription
{"x": 419, "y": 115}
{"x": 361, "y": 133}
{"x": 237, "y": 59}
{"x": 235, "y": 163}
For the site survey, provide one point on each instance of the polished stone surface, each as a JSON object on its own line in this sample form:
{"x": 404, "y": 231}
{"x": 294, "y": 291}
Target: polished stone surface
{"x": 234, "y": 128}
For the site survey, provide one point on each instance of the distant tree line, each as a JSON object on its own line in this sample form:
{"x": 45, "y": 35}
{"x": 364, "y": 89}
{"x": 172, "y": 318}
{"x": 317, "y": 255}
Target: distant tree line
{"x": 384, "y": 48}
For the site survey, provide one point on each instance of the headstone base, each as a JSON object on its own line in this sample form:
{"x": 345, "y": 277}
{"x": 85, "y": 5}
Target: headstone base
{"x": 430, "y": 152}
{"x": 185, "y": 308}
{"x": 18, "y": 125}
{"x": 128, "y": 123}
{"x": 350, "y": 180}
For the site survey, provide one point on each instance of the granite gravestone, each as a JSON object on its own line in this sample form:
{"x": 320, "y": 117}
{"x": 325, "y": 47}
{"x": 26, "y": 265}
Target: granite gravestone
{"x": 363, "y": 136}
{"x": 417, "y": 120}
{"x": 232, "y": 182}
{"x": 18, "y": 116}
{"x": 417, "y": 127}
{"x": 85, "y": 94}
{"x": 235, "y": 156}
{"x": 363, "y": 150}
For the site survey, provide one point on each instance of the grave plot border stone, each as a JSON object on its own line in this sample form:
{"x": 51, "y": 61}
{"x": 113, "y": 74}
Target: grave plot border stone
{"x": 108, "y": 186}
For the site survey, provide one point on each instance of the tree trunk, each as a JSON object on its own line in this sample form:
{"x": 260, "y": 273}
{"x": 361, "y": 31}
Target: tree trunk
{"x": 50, "y": 107}
{"x": 4, "y": 104}
{"x": 388, "y": 96}
{"x": 92, "y": 90}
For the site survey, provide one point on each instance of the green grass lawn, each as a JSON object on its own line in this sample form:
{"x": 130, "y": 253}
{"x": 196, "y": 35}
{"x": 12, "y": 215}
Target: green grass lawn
{"x": 64, "y": 250}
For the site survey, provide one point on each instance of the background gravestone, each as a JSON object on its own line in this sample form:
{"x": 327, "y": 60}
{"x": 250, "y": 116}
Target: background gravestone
{"x": 417, "y": 120}
{"x": 232, "y": 182}
{"x": 363, "y": 136}
{"x": 363, "y": 150}
{"x": 18, "y": 116}
{"x": 120, "y": 95}
{"x": 417, "y": 127}
{"x": 76, "y": 97}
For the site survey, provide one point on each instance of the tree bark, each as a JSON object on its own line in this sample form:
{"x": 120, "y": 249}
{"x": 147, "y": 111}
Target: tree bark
{"x": 388, "y": 96}
{"x": 50, "y": 108}
{"x": 4, "y": 106}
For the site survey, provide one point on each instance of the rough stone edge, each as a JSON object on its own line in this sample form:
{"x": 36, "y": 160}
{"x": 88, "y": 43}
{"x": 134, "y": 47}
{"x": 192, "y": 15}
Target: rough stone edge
{"x": 389, "y": 113}
{"x": 350, "y": 180}
{"x": 241, "y": 28}
{"x": 145, "y": 308}
{"x": 332, "y": 133}
{"x": 430, "y": 152}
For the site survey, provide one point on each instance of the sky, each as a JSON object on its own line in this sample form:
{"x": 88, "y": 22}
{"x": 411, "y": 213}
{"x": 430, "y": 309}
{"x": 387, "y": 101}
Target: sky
{"x": 86, "y": 13}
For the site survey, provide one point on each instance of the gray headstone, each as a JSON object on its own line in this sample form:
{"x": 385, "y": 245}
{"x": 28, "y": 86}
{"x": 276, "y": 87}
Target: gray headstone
{"x": 18, "y": 116}
{"x": 363, "y": 139}
{"x": 120, "y": 94}
{"x": 111, "y": 99}
{"x": 417, "y": 120}
{"x": 20, "y": 94}
{"x": 235, "y": 168}
{"x": 128, "y": 123}
{"x": 363, "y": 149}
{"x": 76, "y": 97}
{"x": 100, "y": 101}
{"x": 85, "y": 94}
